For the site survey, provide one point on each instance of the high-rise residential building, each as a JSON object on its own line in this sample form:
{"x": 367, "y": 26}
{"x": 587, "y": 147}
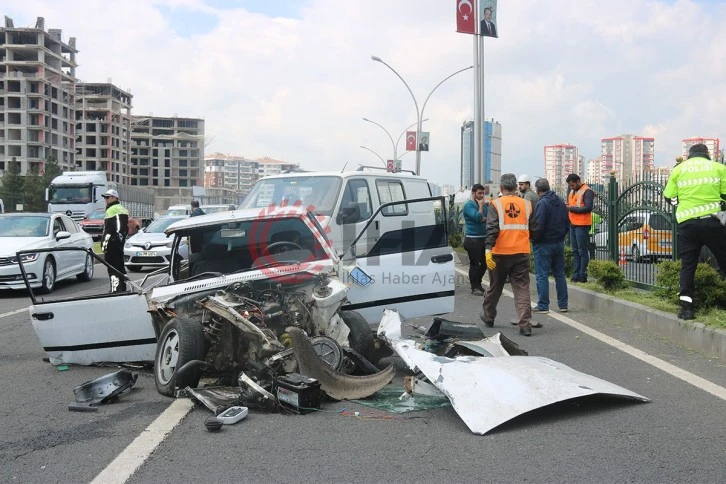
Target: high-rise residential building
{"x": 238, "y": 173}
{"x": 713, "y": 145}
{"x": 630, "y": 156}
{"x": 37, "y": 107}
{"x": 103, "y": 129}
{"x": 492, "y": 162}
{"x": 559, "y": 161}
{"x": 269, "y": 166}
{"x": 166, "y": 151}
{"x": 598, "y": 171}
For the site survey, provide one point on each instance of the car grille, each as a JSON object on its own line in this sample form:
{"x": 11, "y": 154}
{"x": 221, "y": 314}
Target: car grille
{"x": 92, "y": 228}
{"x": 147, "y": 260}
{"x": 8, "y": 261}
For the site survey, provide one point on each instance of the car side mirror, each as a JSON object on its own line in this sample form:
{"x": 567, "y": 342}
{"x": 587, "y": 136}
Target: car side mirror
{"x": 349, "y": 213}
{"x": 62, "y": 235}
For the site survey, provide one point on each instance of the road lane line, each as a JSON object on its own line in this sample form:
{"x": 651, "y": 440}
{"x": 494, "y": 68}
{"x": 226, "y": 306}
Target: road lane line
{"x": 669, "y": 368}
{"x": 127, "y": 462}
{"x": 17, "y": 311}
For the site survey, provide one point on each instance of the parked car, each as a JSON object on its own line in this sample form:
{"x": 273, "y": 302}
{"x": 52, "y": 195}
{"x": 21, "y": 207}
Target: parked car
{"x": 641, "y": 234}
{"x": 178, "y": 210}
{"x": 151, "y": 247}
{"x": 207, "y": 209}
{"x": 30, "y": 231}
{"x": 246, "y": 277}
{"x": 93, "y": 224}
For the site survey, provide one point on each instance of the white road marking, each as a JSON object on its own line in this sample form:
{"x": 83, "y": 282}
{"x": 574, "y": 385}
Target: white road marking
{"x": 127, "y": 462}
{"x": 669, "y": 368}
{"x": 17, "y": 311}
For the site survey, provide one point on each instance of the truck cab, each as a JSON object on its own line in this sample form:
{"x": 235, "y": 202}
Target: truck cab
{"x": 76, "y": 193}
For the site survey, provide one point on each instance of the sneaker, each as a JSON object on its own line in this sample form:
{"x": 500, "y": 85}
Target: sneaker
{"x": 563, "y": 310}
{"x": 488, "y": 324}
{"x": 525, "y": 331}
{"x": 541, "y": 310}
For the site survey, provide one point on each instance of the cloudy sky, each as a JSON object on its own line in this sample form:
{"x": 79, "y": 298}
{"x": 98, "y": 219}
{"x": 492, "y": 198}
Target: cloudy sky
{"x": 292, "y": 79}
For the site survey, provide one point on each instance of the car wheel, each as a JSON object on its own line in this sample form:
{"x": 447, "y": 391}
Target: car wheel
{"x": 87, "y": 273}
{"x": 360, "y": 338}
{"x": 636, "y": 254}
{"x": 134, "y": 268}
{"x": 181, "y": 341}
{"x": 48, "y": 282}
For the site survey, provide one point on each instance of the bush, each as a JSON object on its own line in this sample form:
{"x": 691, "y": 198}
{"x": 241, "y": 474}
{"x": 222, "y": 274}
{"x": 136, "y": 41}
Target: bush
{"x": 608, "y": 274}
{"x": 710, "y": 288}
{"x": 455, "y": 240}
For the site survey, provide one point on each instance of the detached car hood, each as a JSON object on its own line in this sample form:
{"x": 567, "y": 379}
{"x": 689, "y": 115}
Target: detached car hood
{"x": 10, "y": 245}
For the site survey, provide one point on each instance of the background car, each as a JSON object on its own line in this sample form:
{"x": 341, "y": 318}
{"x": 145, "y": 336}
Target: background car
{"x": 150, "y": 247}
{"x": 29, "y": 231}
{"x": 93, "y": 224}
{"x": 641, "y": 234}
{"x": 207, "y": 209}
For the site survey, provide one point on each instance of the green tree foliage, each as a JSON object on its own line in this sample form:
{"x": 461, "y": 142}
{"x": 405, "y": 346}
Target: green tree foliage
{"x": 34, "y": 189}
{"x": 11, "y": 185}
{"x": 52, "y": 170}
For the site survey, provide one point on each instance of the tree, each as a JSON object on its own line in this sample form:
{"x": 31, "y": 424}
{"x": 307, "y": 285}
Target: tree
{"x": 11, "y": 185}
{"x": 52, "y": 170}
{"x": 34, "y": 189}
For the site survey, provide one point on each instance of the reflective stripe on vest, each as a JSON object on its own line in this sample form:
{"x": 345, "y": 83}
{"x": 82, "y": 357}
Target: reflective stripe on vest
{"x": 576, "y": 199}
{"x": 513, "y": 222}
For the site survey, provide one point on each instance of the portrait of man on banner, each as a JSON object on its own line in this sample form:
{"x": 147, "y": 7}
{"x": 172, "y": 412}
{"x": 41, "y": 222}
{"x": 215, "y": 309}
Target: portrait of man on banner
{"x": 423, "y": 141}
{"x": 488, "y": 16}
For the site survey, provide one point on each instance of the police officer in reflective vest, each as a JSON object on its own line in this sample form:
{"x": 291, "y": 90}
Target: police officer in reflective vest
{"x": 698, "y": 187}
{"x": 509, "y": 223}
{"x": 115, "y": 230}
{"x": 580, "y": 201}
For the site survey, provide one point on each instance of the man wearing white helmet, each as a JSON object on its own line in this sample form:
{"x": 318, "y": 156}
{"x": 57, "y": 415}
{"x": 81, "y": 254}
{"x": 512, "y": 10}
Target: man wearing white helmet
{"x": 115, "y": 230}
{"x": 525, "y": 190}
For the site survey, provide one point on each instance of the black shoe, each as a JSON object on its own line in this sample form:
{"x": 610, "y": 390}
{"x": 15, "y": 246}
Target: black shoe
{"x": 583, "y": 278}
{"x": 477, "y": 292}
{"x": 574, "y": 279}
{"x": 488, "y": 324}
{"x": 525, "y": 332}
{"x": 686, "y": 312}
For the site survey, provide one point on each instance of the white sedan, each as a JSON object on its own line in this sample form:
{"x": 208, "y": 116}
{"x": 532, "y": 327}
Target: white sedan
{"x": 151, "y": 247}
{"x": 37, "y": 231}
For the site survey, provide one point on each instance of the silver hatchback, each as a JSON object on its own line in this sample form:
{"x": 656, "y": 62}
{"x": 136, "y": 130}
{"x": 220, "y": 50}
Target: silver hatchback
{"x": 150, "y": 248}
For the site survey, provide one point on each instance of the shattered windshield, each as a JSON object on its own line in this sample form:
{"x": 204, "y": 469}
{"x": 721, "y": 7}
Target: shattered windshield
{"x": 319, "y": 192}
{"x": 71, "y": 194}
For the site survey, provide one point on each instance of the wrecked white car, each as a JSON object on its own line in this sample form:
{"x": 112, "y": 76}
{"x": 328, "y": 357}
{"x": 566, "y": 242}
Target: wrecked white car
{"x": 239, "y": 281}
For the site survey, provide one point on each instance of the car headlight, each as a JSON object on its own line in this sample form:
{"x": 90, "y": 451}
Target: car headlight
{"x": 29, "y": 257}
{"x": 127, "y": 245}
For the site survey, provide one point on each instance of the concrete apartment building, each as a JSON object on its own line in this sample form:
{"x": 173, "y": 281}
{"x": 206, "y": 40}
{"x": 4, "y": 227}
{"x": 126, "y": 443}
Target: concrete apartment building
{"x": 559, "y": 161}
{"x": 238, "y": 173}
{"x": 630, "y": 156}
{"x": 37, "y": 98}
{"x": 492, "y": 163}
{"x": 103, "y": 129}
{"x": 713, "y": 144}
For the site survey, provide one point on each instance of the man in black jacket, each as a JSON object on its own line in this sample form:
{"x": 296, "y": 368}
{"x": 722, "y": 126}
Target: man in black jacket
{"x": 196, "y": 211}
{"x": 552, "y": 219}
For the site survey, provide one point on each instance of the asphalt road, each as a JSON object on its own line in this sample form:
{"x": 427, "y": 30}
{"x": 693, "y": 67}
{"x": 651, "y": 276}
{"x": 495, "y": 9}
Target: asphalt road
{"x": 680, "y": 436}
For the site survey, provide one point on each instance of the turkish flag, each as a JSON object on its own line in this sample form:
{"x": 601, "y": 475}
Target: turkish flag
{"x": 410, "y": 140}
{"x": 465, "y": 18}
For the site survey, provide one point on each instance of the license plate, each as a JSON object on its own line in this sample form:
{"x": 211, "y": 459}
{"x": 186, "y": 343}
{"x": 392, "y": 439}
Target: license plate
{"x": 146, "y": 253}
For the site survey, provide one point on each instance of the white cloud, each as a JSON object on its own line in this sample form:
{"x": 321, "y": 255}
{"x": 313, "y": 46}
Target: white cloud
{"x": 296, "y": 88}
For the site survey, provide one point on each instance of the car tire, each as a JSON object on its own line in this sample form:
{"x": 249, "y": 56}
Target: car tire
{"x": 87, "y": 273}
{"x": 360, "y": 338}
{"x": 181, "y": 341}
{"x": 134, "y": 268}
{"x": 635, "y": 253}
{"x": 49, "y": 275}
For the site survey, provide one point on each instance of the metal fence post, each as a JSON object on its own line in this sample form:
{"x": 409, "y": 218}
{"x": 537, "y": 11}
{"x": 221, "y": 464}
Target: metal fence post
{"x": 612, "y": 217}
{"x": 674, "y": 237}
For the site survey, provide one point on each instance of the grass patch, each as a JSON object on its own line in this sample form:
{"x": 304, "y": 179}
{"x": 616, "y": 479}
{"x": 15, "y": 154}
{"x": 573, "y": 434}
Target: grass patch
{"x": 710, "y": 317}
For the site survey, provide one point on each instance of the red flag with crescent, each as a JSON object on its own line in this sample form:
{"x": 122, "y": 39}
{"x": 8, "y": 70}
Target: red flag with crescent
{"x": 410, "y": 140}
{"x": 465, "y": 17}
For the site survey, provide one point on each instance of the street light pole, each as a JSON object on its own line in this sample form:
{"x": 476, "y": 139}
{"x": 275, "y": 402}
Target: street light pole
{"x": 419, "y": 113}
{"x": 395, "y": 145}
{"x": 379, "y": 156}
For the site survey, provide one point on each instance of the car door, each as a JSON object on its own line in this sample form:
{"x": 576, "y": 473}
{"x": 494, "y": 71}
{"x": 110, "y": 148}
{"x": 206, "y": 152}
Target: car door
{"x": 85, "y": 331}
{"x": 63, "y": 259}
{"x": 76, "y": 259}
{"x": 410, "y": 267}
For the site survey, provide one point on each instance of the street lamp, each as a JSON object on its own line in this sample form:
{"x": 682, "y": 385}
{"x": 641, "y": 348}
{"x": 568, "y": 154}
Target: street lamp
{"x": 379, "y": 156}
{"x": 395, "y": 145}
{"x": 419, "y": 113}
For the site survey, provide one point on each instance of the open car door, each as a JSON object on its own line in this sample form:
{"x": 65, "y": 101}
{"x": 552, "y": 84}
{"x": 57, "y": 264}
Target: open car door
{"x": 94, "y": 328}
{"x": 410, "y": 266}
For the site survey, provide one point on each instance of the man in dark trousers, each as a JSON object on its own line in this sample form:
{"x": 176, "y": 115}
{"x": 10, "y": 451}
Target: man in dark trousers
{"x": 548, "y": 244}
{"x": 475, "y": 226}
{"x": 196, "y": 211}
{"x": 115, "y": 230}
{"x": 580, "y": 201}
{"x": 698, "y": 187}
{"x": 510, "y": 220}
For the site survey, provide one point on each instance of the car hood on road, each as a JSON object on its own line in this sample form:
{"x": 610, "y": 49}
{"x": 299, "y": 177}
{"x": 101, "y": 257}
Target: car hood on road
{"x": 148, "y": 237}
{"x": 10, "y": 245}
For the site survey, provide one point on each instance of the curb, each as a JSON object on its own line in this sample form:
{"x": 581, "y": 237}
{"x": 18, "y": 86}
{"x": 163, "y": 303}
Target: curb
{"x": 696, "y": 336}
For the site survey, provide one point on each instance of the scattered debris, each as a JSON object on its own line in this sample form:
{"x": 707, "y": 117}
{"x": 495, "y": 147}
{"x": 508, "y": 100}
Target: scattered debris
{"x": 487, "y": 391}
{"x": 101, "y": 390}
{"x": 397, "y": 399}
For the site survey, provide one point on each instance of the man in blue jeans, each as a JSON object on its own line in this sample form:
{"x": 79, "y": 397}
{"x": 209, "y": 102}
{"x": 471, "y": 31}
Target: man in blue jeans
{"x": 552, "y": 219}
{"x": 580, "y": 200}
